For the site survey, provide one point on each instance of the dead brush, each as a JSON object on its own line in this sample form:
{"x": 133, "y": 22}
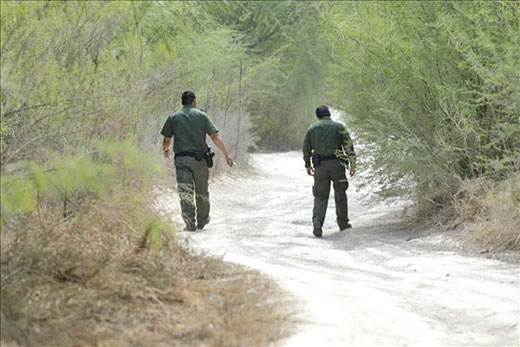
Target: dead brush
{"x": 96, "y": 280}
{"x": 490, "y": 213}
{"x": 436, "y": 199}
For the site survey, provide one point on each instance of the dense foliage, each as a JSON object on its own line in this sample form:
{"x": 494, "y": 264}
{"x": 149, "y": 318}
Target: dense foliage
{"x": 432, "y": 88}
{"x": 76, "y": 72}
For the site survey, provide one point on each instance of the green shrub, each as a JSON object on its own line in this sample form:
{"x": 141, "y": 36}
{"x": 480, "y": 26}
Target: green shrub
{"x": 115, "y": 173}
{"x": 434, "y": 90}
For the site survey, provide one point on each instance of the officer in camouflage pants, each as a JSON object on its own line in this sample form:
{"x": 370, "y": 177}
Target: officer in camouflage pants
{"x": 189, "y": 127}
{"x": 329, "y": 146}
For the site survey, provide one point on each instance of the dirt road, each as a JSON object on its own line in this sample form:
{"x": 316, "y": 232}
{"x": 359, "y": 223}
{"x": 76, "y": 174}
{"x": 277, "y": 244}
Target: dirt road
{"x": 378, "y": 284}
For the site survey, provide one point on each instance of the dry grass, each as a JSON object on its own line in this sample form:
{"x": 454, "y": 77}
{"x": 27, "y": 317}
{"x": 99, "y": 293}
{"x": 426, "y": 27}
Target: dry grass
{"x": 490, "y": 213}
{"x": 436, "y": 200}
{"x": 89, "y": 281}
{"x": 486, "y": 212}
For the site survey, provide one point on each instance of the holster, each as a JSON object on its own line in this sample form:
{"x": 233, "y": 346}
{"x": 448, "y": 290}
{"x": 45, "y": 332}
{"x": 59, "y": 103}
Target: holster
{"x": 316, "y": 160}
{"x": 209, "y": 157}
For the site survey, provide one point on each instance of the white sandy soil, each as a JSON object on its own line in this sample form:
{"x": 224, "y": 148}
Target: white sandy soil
{"x": 378, "y": 284}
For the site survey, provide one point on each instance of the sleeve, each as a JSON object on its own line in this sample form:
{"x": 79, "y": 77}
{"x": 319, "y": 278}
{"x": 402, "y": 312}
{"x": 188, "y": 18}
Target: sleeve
{"x": 210, "y": 127}
{"x": 167, "y": 130}
{"x": 348, "y": 145}
{"x": 307, "y": 150}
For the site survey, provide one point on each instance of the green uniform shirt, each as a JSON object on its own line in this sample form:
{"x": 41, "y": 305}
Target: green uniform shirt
{"x": 326, "y": 137}
{"x": 188, "y": 127}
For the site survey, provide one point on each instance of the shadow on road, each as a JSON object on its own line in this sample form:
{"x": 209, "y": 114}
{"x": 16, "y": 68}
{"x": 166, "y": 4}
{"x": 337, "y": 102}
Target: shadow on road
{"x": 377, "y": 234}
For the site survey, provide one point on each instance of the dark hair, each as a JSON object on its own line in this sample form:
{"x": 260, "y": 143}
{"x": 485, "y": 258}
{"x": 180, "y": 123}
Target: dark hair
{"x": 322, "y": 111}
{"x": 187, "y": 97}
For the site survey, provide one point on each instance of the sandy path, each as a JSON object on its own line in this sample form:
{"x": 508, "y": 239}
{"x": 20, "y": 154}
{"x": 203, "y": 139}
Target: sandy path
{"x": 377, "y": 284}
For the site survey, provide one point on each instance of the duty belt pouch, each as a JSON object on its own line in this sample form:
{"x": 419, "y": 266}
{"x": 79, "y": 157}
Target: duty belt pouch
{"x": 316, "y": 160}
{"x": 199, "y": 155}
{"x": 209, "y": 157}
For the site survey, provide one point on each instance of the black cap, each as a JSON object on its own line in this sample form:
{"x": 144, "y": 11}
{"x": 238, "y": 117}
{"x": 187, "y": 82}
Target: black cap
{"x": 322, "y": 111}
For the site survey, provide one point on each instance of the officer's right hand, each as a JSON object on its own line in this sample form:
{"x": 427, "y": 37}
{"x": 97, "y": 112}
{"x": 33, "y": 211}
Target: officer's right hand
{"x": 310, "y": 171}
{"x": 166, "y": 153}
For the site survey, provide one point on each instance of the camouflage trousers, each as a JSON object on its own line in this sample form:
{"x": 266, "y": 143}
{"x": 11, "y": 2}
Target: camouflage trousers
{"x": 330, "y": 171}
{"x": 192, "y": 184}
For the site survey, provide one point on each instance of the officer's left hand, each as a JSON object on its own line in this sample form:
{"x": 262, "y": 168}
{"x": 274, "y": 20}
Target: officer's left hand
{"x": 310, "y": 171}
{"x": 229, "y": 161}
{"x": 352, "y": 172}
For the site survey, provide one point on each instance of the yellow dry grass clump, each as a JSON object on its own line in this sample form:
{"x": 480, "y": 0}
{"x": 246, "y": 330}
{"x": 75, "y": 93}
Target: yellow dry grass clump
{"x": 490, "y": 212}
{"x": 96, "y": 280}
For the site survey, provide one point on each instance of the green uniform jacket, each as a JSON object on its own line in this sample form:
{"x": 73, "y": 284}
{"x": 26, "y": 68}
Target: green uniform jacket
{"x": 326, "y": 137}
{"x": 188, "y": 127}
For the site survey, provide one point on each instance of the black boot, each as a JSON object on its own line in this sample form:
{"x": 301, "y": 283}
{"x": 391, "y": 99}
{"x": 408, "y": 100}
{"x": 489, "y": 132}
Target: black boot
{"x": 345, "y": 226}
{"x": 317, "y": 231}
{"x": 201, "y": 226}
{"x": 189, "y": 227}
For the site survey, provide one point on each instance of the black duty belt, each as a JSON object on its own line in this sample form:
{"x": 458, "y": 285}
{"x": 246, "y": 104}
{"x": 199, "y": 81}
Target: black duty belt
{"x": 327, "y": 157}
{"x": 193, "y": 154}
{"x": 317, "y": 159}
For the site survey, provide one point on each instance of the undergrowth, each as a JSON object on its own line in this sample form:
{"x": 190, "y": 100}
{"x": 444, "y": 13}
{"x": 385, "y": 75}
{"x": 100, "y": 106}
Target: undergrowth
{"x": 90, "y": 281}
{"x": 86, "y": 261}
{"x": 484, "y": 210}
{"x": 490, "y": 212}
